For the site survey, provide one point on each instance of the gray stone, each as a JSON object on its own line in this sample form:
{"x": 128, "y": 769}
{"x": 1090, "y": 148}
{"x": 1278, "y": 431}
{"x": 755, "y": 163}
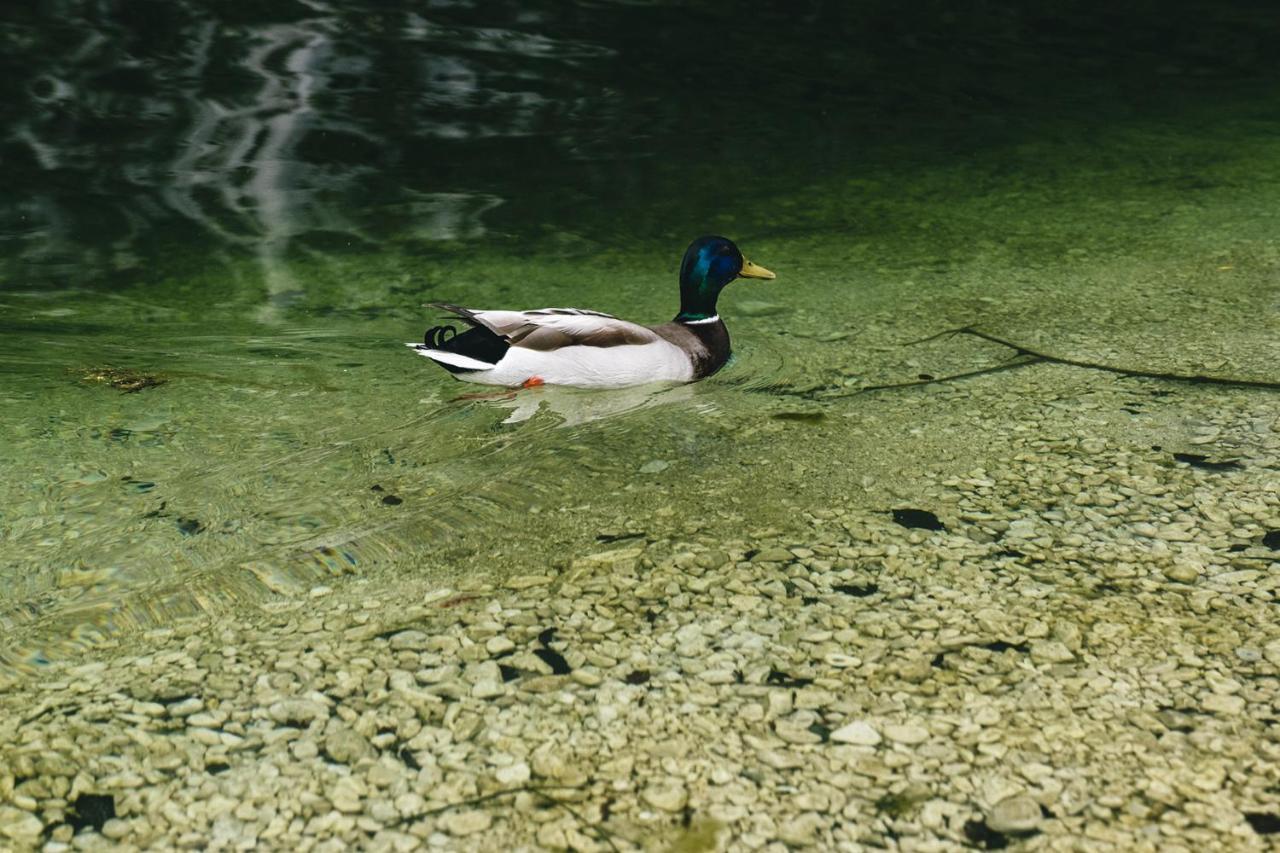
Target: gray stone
{"x": 346, "y": 745}
{"x": 1015, "y": 815}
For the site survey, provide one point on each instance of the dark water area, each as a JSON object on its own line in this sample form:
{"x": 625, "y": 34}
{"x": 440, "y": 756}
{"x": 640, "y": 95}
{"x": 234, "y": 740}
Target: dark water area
{"x": 134, "y": 130}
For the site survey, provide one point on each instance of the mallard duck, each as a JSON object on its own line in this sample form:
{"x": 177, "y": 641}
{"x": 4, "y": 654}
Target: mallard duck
{"x": 588, "y": 349}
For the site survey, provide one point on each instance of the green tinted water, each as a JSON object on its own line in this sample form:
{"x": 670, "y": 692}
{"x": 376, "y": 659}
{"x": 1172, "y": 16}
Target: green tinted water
{"x": 898, "y": 191}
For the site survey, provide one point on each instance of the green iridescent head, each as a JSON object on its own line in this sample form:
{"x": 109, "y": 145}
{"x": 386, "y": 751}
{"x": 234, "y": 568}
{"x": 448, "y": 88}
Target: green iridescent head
{"x": 709, "y": 264}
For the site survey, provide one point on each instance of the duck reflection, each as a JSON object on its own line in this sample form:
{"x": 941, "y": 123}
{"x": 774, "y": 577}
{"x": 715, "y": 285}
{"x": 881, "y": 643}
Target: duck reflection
{"x": 574, "y": 406}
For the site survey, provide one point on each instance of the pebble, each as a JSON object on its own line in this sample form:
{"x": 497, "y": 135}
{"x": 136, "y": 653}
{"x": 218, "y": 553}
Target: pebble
{"x": 1050, "y": 651}
{"x": 803, "y": 830}
{"x": 346, "y": 796}
{"x": 1271, "y": 651}
{"x": 488, "y": 689}
{"x": 908, "y": 734}
{"x": 835, "y": 682}
{"x": 1015, "y": 816}
{"x": 346, "y": 745}
{"x": 297, "y": 710}
{"x": 669, "y": 796}
{"x": 1219, "y": 703}
{"x": 860, "y": 733}
{"x": 842, "y": 661}
{"x": 463, "y": 823}
{"x": 1182, "y": 572}
{"x": 208, "y": 737}
{"x": 409, "y": 641}
{"x": 499, "y": 646}
{"x": 513, "y": 774}
{"x": 523, "y": 582}
{"x": 19, "y": 825}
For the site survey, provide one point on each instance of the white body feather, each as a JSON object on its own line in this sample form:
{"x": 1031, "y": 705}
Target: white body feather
{"x": 647, "y": 357}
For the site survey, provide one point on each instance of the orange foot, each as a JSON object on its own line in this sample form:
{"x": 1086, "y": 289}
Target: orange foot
{"x": 533, "y": 382}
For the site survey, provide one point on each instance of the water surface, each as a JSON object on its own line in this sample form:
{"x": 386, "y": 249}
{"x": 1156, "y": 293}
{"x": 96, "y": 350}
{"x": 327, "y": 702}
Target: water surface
{"x": 249, "y": 207}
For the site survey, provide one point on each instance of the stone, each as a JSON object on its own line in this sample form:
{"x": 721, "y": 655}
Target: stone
{"x": 1271, "y": 651}
{"x": 1015, "y": 815}
{"x": 297, "y": 711}
{"x": 19, "y": 825}
{"x": 617, "y": 556}
{"x": 464, "y": 823}
{"x": 859, "y": 732}
{"x": 802, "y": 830}
{"x": 304, "y": 749}
{"x": 409, "y": 640}
{"x": 208, "y": 737}
{"x": 513, "y": 774}
{"x": 499, "y": 645}
{"x": 1050, "y": 651}
{"x": 1222, "y": 703}
{"x": 346, "y": 796}
{"x": 382, "y": 775}
{"x": 522, "y": 582}
{"x": 667, "y": 796}
{"x": 908, "y": 734}
{"x": 1182, "y": 572}
{"x": 206, "y": 720}
{"x": 346, "y": 745}
{"x": 488, "y": 689}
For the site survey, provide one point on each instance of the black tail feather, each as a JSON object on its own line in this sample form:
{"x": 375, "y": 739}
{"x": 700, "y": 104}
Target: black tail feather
{"x": 437, "y": 337}
{"x": 477, "y": 342}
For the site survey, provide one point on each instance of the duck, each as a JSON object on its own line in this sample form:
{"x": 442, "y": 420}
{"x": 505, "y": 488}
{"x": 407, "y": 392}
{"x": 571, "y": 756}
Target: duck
{"x": 579, "y": 348}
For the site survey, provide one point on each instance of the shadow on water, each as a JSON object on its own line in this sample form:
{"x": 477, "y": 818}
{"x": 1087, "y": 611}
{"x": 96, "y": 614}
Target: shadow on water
{"x": 251, "y": 203}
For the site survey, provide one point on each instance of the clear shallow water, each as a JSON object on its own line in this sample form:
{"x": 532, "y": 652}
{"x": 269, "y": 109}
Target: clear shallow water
{"x": 253, "y": 209}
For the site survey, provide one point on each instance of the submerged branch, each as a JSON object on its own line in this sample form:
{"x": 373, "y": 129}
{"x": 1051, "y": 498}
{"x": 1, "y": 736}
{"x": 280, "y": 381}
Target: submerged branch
{"x": 1023, "y": 356}
{"x": 968, "y": 374}
{"x": 1190, "y": 378}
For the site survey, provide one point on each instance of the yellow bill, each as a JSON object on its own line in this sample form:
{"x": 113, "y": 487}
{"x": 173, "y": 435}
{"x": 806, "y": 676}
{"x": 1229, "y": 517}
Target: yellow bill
{"x": 750, "y": 270}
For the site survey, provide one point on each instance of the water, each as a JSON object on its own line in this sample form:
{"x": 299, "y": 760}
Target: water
{"x": 249, "y": 207}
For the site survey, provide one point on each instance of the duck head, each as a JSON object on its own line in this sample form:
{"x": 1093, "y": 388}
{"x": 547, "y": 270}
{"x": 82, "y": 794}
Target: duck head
{"x": 709, "y": 264}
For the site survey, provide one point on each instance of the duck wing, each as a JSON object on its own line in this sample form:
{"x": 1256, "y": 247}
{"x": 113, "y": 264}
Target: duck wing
{"x": 554, "y": 328}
